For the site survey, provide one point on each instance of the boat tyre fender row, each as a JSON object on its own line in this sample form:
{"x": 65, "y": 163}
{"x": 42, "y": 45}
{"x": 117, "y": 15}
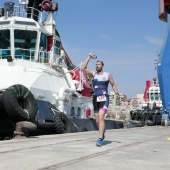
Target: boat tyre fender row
{"x": 144, "y": 118}
{"x": 19, "y": 103}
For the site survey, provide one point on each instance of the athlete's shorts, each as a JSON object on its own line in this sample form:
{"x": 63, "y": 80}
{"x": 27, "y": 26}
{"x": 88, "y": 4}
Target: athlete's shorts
{"x": 100, "y": 105}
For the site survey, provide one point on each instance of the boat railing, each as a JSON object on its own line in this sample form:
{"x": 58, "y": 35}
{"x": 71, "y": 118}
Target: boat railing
{"x": 5, "y": 53}
{"x": 26, "y": 54}
{"x": 153, "y": 101}
{"x": 31, "y": 54}
{"x": 29, "y": 12}
{"x": 39, "y": 56}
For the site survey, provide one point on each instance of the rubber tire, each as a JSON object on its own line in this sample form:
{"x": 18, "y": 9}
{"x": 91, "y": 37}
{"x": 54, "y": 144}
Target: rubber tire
{"x": 62, "y": 124}
{"x": 151, "y": 122}
{"x": 2, "y": 111}
{"x": 19, "y": 103}
{"x": 139, "y": 118}
{"x": 132, "y": 115}
{"x": 144, "y": 118}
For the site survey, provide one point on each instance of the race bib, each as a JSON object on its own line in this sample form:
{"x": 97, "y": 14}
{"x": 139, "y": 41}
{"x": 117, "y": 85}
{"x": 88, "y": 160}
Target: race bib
{"x": 101, "y": 98}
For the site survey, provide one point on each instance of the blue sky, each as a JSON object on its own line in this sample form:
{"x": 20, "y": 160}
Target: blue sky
{"x": 125, "y": 35}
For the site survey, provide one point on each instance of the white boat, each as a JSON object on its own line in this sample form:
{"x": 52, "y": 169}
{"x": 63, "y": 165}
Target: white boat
{"x": 38, "y": 81}
{"x": 150, "y": 111}
{"x": 152, "y": 95}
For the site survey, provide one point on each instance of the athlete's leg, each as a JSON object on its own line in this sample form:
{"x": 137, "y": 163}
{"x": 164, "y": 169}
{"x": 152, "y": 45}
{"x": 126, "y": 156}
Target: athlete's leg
{"x": 96, "y": 110}
{"x": 97, "y": 118}
{"x": 101, "y": 122}
{"x": 102, "y": 111}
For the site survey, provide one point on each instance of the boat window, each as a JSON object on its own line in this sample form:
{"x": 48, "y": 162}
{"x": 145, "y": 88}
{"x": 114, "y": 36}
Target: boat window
{"x": 152, "y": 96}
{"x": 42, "y": 54}
{"x": 4, "y": 22}
{"x": 43, "y": 41}
{"x": 5, "y": 43}
{"x": 148, "y": 96}
{"x": 25, "y": 23}
{"x": 57, "y": 47}
{"x": 156, "y": 96}
{"x": 56, "y": 33}
{"x": 24, "y": 43}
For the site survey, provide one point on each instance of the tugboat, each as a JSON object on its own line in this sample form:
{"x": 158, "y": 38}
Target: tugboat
{"x": 150, "y": 113}
{"x": 39, "y": 83}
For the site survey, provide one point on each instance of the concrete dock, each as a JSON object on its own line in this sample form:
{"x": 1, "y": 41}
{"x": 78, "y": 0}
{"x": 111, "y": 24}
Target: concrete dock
{"x": 146, "y": 148}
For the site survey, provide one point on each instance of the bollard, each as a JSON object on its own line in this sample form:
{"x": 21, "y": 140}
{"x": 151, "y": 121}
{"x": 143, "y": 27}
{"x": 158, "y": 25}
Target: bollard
{"x": 23, "y": 128}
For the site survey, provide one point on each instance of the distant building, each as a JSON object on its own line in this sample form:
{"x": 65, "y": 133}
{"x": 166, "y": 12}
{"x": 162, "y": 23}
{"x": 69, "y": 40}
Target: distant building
{"x": 113, "y": 101}
{"x": 123, "y": 102}
{"x": 139, "y": 96}
{"x": 136, "y": 103}
{"x": 123, "y": 98}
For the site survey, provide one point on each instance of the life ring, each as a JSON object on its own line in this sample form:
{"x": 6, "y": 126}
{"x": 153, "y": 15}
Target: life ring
{"x": 19, "y": 103}
{"x": 73, "y": 74}
{"x": 44, "y": 5}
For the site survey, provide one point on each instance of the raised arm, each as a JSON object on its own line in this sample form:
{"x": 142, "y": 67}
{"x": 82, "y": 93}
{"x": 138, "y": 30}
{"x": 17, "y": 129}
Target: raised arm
{"x": 84, "y": 67}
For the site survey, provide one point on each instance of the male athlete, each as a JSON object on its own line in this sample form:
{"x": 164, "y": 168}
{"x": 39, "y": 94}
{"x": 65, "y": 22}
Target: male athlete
{"x": 100, "y": 97}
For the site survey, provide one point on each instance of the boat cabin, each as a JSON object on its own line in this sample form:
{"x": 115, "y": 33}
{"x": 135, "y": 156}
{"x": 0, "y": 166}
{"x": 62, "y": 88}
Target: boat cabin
{"x": 23, "y": 37}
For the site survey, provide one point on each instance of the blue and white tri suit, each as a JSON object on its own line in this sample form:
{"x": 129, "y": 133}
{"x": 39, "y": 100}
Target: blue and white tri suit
{"x": 100, "y": 87}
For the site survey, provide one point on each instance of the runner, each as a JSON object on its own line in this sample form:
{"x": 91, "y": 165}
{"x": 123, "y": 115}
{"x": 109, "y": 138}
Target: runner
{"x": 100, "y": 96}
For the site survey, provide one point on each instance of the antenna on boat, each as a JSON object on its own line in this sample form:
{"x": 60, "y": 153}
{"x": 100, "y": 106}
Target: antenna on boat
{"x": 156, "y": 61}
{"x": 23, "y": 4}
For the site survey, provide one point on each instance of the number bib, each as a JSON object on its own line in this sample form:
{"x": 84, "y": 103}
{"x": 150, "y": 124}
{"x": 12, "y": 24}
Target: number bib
{"x": 101, "y": 98}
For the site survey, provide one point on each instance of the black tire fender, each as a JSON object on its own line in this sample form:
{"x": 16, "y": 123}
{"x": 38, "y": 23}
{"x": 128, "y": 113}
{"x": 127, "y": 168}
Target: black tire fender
{"x": 151, "y": 120}
{"x": 19, "y": 103}
{"x": 62, "y": 124}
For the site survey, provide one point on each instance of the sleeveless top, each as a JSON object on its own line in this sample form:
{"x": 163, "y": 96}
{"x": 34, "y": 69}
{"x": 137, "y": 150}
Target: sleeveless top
{"x": 100, "y": 84}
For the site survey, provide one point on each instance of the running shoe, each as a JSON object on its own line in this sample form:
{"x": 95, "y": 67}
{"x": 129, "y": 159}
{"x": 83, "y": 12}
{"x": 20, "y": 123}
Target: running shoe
{"x": 93, "y": 56}
{"x": 99, "y": 142}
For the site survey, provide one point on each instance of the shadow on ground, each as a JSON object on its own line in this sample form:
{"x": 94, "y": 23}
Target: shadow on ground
{"x": 107, "y": 142}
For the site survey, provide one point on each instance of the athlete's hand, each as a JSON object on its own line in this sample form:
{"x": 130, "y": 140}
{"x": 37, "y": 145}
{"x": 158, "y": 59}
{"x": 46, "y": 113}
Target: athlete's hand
{"x": 117, "y": 96}
{"x": 93, "y": 56}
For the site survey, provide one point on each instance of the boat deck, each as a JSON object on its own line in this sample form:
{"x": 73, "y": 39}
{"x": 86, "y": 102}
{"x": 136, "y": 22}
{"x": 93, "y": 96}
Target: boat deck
{"x": 130, "y": 149}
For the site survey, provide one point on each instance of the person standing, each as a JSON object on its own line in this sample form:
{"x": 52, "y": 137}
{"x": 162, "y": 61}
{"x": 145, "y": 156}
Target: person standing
{"x": 100, "y": 84}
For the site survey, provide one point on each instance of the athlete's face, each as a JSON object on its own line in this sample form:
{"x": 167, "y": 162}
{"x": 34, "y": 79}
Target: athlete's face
{"x": 99, "y": 67}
